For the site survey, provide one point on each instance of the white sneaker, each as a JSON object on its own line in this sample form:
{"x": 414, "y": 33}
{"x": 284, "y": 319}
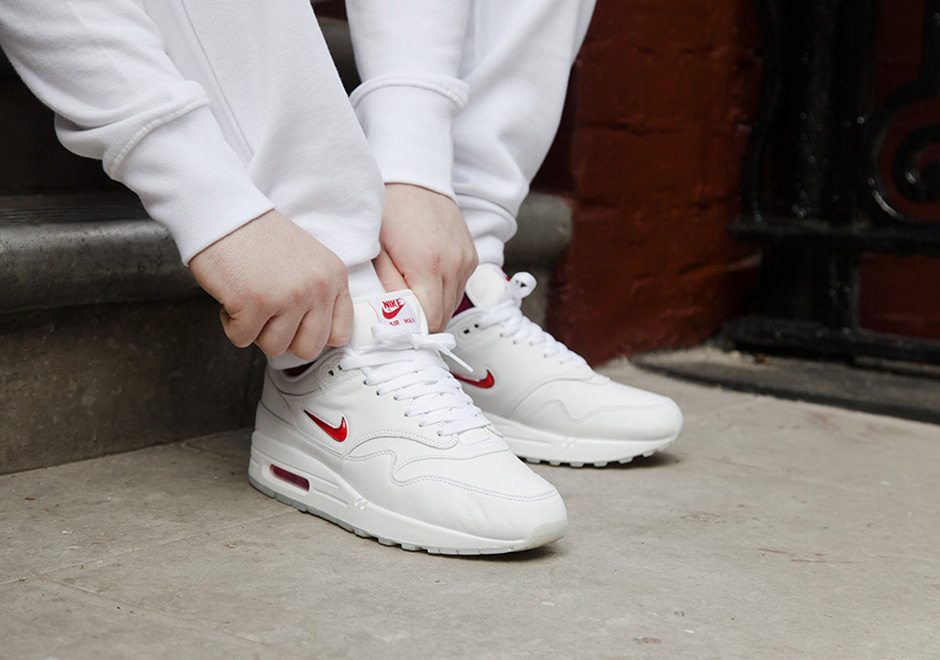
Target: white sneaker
{"x": 543, "y": 398}
{"x": 378, "y": 438}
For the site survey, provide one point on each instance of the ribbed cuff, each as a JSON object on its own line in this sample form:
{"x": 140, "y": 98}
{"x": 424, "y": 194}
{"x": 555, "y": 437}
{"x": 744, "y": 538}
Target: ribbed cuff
{"x": 408, "y": 124}
{"x": 490, "y": 225}
{"x": 191, "y": 181}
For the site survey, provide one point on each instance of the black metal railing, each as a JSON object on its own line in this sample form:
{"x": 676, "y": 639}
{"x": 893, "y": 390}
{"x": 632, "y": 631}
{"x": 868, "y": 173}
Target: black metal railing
{"x": 829, "y": 176}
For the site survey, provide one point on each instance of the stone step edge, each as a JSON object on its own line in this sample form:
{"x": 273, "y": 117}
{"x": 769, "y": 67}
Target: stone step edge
{"x": 64, "y": 251}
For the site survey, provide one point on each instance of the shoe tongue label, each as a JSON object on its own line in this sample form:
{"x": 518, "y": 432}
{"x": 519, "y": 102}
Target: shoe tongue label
{"x": 396, "y": 311}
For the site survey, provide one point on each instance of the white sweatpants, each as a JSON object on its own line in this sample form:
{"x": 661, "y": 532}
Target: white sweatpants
{"x": 275, "y": 92}
{"x": 517, "y": 59}
{"x": 467, "y": 104}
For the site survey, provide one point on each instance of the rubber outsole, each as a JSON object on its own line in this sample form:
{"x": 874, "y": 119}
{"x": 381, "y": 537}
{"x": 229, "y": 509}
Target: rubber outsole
{"x": 410, "y": 547}
{"x": 540, "y": 446}
{"x": 596, "y": 464}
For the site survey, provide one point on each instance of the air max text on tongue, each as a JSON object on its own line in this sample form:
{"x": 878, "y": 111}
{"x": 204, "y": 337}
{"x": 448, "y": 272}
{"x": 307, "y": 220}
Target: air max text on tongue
{"x": 396, "y": 312}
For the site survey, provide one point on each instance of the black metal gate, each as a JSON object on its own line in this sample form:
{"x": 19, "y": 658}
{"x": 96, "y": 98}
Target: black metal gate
{"x": 828, "y": 177}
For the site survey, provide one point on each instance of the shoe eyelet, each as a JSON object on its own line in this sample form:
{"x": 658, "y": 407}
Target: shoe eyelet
{"x": 466, "y": 331}
{"x": 476, "y": 325}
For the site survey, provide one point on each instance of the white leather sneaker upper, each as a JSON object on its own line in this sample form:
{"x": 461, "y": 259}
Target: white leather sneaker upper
{"x": 521, "y": 373}
{"x": 385, "y": 415}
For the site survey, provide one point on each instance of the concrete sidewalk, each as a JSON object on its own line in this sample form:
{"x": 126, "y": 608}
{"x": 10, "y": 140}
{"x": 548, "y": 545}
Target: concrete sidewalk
{"x": 772, "y": 529}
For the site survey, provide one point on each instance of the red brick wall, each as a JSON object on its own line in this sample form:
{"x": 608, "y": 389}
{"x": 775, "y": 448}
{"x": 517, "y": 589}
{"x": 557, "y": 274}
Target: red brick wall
{"x": 649, "y": 151}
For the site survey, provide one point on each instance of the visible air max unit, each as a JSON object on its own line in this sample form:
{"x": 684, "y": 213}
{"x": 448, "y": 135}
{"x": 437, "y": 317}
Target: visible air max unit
{"x": 378, "y": 438}
{"x": 544, "y": 399}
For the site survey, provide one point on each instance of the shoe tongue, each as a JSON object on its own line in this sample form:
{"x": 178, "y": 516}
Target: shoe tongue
{"x": 396, "y": 309}
{"x": 488, "y": 287}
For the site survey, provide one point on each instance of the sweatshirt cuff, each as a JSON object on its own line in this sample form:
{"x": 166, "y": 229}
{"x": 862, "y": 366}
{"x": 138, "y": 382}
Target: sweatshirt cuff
{"x": 408, "y": 124}
{"x": 191, "y": 181}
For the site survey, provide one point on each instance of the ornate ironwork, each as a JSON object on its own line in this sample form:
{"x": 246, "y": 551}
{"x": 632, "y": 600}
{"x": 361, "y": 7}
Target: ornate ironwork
{"x": 915, "y": 179}
{"x": 828, "y": 176}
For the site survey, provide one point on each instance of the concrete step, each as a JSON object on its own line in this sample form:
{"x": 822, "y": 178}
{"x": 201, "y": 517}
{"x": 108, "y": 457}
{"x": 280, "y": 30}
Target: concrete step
{"x": 93, "y": 249}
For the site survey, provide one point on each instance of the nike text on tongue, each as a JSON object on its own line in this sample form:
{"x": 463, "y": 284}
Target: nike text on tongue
{"x": 395, "y": 312}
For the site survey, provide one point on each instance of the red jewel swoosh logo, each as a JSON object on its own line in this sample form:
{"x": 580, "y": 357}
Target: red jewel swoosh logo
{"x": 338, "y": 433}
{"x": 484, "y": 383}
{"x": 391, "y": 313}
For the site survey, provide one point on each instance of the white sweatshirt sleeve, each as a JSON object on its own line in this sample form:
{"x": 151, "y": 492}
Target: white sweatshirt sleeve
{"x": 408, "y": 54}
{"x": 102, "y": 69}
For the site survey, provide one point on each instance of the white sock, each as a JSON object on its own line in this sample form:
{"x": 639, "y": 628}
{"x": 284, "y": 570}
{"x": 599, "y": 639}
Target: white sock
{"x": 363, "y": 281}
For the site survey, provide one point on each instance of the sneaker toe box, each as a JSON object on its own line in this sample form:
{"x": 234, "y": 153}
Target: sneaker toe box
{"x": 602, "y": 409}
{"x": 492, "y": 496}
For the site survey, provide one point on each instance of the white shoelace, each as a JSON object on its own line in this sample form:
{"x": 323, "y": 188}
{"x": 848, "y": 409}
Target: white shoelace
{"x": 516, "y": 326}
{"x": 408, "y": 366}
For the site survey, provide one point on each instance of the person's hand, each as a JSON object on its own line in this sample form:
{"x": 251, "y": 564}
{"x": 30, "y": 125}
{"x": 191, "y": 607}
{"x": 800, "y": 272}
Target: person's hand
{"x": 428, "y": 243}
{"x": 391, "y": 279}
{"x": 279, "y": 288}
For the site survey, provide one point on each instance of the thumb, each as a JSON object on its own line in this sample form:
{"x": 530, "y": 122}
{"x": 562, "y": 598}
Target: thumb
{"x": 341, "y": 327}
{"x": 242, "y": 329}
{"x": 430, "y": 297}
{"x": 388, "y": 273}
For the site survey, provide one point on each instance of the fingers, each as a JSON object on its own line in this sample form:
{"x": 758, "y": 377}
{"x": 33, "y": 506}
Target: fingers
{"x": 430, "y": 294}
{"x": 305, "y": 334}
{"x": 388, "y": 273}
{"x": 242, "y": 329}
{"x": 341, "y": 329}
{"x": 278, "y": 287}
{"x": 438, "y": 298}
{"x": 455, "y": 285}
{"x": 278, "y": 334}
{"x": 449, "y": 299}
{"x": 439, "y": 290}
{"x": 303, "y": 330}
{"x": 311, "y": 336}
